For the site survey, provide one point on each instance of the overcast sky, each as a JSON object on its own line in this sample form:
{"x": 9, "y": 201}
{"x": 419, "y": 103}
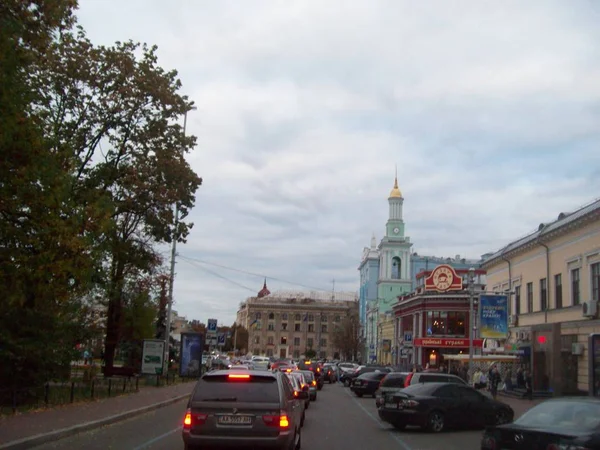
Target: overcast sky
{"x": 490, "y": 109}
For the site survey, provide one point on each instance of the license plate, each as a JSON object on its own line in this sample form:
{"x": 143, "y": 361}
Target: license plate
{"x": 234, "y": 420}
{"x": 391, "y": 405}
{"x": 357, "y": 383}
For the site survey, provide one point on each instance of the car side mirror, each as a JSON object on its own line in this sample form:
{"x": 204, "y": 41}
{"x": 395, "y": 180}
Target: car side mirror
{"x": 303, "y": 395}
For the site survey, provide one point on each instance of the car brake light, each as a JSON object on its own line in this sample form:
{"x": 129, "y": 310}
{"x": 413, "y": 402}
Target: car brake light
{"x": 314, "y": 383}
{"x": 318, "y": 370}
{"x": 280, "y": 421}
{"x": 193, "y": 419}
{"x": 187, "y": 421}
{"x": 410, "y": 403}
{"x": 238, "y": 376}
{"x": 407, "y": 380}
{"x": 296, "y": 394}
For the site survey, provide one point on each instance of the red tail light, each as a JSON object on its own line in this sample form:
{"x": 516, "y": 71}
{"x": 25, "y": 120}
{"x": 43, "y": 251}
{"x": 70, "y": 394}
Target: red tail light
{"x": 296, "y": 394}
{"x": 407, "y": 379}
{"x": 314, "y": 383}
{"x": 192, "y": 419}
{"x": 280, "y": 421}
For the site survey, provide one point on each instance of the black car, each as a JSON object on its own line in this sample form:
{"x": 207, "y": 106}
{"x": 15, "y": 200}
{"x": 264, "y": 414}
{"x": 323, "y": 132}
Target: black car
{"x": 348, "y": 377}
{"x": 392, "y": 383}
{"x": 316, "y": 368}
{"x": 367, "y": 383}
{"x": 437, "y": 406}
{"x": 244, "y": 409}
{"x": 562, "y": 423}
{"x": 329, "y": 373}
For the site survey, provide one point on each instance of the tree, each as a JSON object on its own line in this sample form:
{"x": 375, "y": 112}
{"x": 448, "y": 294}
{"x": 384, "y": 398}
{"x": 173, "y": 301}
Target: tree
{"x": 346, "y": 335}
{"x": 238, "y": 339}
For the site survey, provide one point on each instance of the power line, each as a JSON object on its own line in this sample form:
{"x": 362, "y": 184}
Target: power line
{"x": 216, "y": 274}
{"x": 255, "y": 274}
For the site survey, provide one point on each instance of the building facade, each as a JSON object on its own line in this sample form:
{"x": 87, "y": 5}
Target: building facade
{"x": 420, "y": 263}
{"x": 369, "y": 275}
{"x": 434, "y": 320}
{"x": 287, "y": 324}
{"x": 553, "y": 278}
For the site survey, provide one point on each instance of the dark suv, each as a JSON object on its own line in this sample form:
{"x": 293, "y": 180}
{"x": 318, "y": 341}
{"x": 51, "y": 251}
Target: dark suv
{"x": 244, "y": 409}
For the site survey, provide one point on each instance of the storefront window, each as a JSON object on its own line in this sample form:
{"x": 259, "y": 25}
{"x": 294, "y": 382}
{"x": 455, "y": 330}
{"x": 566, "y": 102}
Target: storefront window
{"x": 443, "y": 323}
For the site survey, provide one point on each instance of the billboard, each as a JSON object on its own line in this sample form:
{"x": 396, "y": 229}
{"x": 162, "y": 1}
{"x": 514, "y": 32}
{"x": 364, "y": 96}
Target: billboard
{"x": 153, "y": 354}
{"x": 493, "y": 316}
{"x": 190, "y": 362}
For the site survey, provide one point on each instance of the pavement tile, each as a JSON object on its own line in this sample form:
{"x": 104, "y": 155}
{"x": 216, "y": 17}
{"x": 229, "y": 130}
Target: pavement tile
{"x": 24, "y": 425}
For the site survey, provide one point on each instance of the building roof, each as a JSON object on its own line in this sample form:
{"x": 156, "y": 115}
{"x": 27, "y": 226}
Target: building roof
{"x": 395, "y": 192}
{"x": 543, "y": 230}
{"x": 264, "y": 291}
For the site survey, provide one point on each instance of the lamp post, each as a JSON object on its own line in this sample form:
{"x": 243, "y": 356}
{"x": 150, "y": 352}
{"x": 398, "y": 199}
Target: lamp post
{"x": 472, "y": 327}
{"x": 172, "y": 271}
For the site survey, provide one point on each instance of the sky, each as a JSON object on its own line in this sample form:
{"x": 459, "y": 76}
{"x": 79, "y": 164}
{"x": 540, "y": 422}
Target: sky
{"x": 490, "y": 111}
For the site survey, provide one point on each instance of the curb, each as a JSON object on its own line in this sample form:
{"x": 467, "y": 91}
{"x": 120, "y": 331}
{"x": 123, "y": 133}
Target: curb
{"x": 44, "y": 438}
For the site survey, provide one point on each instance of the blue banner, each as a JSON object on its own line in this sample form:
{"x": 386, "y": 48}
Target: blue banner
{"x": 493, "y": 316}
{"x": 192, "y": 346}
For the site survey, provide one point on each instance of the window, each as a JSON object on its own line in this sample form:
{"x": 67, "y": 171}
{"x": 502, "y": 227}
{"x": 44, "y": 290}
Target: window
{"x": 284, "y": 316}
{"x": 257, "y": 390}
{"x": 271, "y": 327}
{"x": 529, "y": 297}
{"x": 447, "y": 392}
{"x": 271, "y": 316}
{"x": 575, "y": 294}
{"x": 517, "y": 300}
{"x": 283, "y": 340}
{"x": 258, "y": 315}
{"x": 323, "y": 342}
{"x": 558, "y": 290}
{"x": 470, "y": 394}
{"x": 338, "y": 318}
{"x": 324, "y": 319}
{"x": 443, "y": 323}
{"x": 269, "y": 352}
{"x": 323, "y": 328}
{"x": 311, "y": 327}
{"x": 298, "y": 317}
{"x": 396, "y": 268}
{"x": 296, "y": 354}
{"x": 270, "y": 340}
{"x": 257, "y": 339}
{"x": 309, "y": 342}
{"x": 296, "y": 341}
{"x": 296, "y": 327}
{"x": 595, "y": 282}
{"x": 311, "y": 318}
{"x": 543, "y": 294}
{"x": 284, "y": 327}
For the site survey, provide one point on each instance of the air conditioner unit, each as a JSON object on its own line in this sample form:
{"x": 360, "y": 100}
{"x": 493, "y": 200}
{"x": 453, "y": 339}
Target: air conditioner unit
{"x": 589, "y": 308}
{"x": 577, "y": 349}
{"x": 513, "y": 320}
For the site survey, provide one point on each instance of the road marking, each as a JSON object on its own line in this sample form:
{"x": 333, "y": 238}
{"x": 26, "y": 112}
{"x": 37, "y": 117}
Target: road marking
{"x": 381, "y": 424}
{"x": 157, "y": 438}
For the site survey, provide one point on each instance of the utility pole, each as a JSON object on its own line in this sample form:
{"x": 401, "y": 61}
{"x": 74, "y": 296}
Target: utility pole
{"x": 235, "y": 339}
{"x": 172, "y": 273}
{"x": 472, "y": 326}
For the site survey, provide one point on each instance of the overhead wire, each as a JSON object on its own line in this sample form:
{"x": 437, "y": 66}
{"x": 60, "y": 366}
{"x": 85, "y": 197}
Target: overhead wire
{"x": 195, "y": 264}
{"x": 254, "y": 274}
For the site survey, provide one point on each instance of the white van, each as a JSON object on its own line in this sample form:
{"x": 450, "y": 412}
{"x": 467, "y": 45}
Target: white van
{"x": 260, "y": 362}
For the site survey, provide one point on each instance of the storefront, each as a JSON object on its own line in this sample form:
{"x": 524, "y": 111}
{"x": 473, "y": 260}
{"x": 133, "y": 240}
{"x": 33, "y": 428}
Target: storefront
{"x": 434, "y": 320}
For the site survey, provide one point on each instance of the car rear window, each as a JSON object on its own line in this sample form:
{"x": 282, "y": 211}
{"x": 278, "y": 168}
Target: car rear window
{"x": 308, "y": 375}
{"x": 255, "y": 389}
{"x": 421, "y": 389}
{"x": 371, "y": 376}
{"x": 393, "y": 380}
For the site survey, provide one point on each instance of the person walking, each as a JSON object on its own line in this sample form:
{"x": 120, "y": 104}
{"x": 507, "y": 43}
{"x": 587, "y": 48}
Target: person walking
{"x": 495, "y": 380}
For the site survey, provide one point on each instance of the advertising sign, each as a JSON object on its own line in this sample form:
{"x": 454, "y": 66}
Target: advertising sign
{"x": 211, "y": 327}
{"x": 443, "y": 279}
{"x": 493, "y": 316}
{"x": 447, "y": 342}
{"x": 594, "y": 364}
{"x": 153, "y": 354}
{"x": 192, "y": 345}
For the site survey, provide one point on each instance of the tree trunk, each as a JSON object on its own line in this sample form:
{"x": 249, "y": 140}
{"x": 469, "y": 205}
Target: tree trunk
{"x": 115, "y": 314}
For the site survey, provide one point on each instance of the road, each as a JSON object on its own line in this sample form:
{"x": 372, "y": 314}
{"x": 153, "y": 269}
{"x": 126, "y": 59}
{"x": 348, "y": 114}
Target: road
{"x": 337, "y": 421}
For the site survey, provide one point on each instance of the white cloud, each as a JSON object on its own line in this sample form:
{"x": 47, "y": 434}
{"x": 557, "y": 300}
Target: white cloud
{"x": 490, "y": 109}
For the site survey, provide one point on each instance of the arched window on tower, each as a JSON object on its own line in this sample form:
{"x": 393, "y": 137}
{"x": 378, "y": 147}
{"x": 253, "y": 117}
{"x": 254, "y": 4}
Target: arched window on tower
{"x": 396, "y": 268}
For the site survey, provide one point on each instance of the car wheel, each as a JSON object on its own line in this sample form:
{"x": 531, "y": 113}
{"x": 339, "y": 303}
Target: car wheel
{"x": 435, "y": 422}
{"x": 501, "y": 417}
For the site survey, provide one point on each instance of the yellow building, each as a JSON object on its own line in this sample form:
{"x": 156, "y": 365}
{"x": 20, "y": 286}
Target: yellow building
{"x": 385, "y": 347}
{"x": 553, "y": 277}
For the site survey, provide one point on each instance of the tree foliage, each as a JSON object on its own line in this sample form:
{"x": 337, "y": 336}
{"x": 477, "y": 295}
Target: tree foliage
{"x": 346, "y": 335}
{"x": 92, "y": 160}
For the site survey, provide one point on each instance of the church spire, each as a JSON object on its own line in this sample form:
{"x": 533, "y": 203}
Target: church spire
{"x": 395, "y": 193}
{"x": 264, "y": 291}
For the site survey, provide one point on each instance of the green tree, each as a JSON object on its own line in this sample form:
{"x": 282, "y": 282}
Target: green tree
{"x": 346, "y": 334}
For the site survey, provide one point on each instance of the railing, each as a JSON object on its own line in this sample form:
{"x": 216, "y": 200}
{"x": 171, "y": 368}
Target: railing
{"x": 53, "y": 393}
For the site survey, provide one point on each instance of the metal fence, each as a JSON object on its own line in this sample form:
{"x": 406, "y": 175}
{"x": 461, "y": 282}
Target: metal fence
{"x": 51, "y": 394}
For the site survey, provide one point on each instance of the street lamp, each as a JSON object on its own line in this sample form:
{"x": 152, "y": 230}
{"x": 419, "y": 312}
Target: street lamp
{"x": 172, "y": 271}
{"x": 471, "y": 317}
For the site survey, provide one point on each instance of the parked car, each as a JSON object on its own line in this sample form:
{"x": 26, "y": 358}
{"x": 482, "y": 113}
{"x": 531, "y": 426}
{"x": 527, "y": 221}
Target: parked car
{"x": 228, "y": 408}
{"x": 393, "y": 382}
{"x": 367, "y": 383}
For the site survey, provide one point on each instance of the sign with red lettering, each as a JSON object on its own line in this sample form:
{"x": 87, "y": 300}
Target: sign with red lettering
{"x": 443, "y": 278}
{"x": 446, "y": 342}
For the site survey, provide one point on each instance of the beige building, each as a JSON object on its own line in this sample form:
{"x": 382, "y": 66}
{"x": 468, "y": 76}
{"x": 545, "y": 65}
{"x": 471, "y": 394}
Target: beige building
{"x": 553, "y": 277}
{"x": 385, "y": 342}
{"x": 286, "y": 324}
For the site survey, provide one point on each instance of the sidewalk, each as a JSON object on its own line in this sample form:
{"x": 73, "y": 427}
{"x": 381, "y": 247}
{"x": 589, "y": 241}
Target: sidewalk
{"x": 29, "y": 429}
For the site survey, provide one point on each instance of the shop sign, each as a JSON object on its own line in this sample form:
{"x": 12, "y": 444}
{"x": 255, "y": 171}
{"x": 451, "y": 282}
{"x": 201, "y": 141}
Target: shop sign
{"x": 446, "y": 342}
{"x": 443, "y": 279}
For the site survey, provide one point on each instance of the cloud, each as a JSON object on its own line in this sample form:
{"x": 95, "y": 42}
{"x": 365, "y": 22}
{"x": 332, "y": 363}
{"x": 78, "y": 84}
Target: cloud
{"x": 490, "y": 109}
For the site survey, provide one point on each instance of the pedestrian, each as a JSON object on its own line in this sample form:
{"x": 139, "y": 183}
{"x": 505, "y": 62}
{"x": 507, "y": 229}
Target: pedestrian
{"x": 528, "y": 385}
{"x": 495, "y": 380}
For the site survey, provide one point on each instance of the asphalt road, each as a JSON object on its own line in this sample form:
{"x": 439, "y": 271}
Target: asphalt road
{"x": 337, "y": 421}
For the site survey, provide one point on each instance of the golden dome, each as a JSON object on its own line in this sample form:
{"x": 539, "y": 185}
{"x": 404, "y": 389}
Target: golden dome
{"x": 395, "y": 193}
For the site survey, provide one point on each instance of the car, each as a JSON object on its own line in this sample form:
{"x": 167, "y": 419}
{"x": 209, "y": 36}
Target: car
{"x": 367, "y": 383}
{"x": 316, "y": 368}
{"x": 243, "y": 409}
{"x": 438, "y": 406}
{"x": 431, "y": 377}
{"x": 309, "y": 376}
{"x": 297, "y": 389}
{"x": 560, "y": 423}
